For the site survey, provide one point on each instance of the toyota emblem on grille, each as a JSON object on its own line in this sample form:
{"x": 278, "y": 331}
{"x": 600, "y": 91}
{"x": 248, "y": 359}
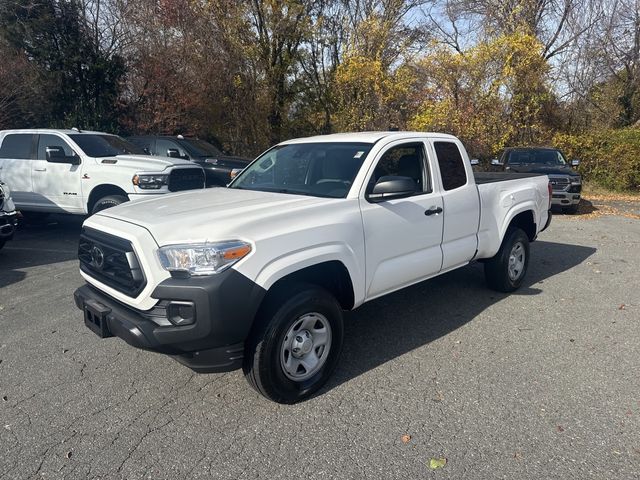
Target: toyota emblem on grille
{"x": 97, "y": 257}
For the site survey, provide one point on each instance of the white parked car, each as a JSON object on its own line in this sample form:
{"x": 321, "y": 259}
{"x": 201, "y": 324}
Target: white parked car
{"x": 257, "y": 275}
{"x": 84, "y": 172}
{"x": 8, "y": 215}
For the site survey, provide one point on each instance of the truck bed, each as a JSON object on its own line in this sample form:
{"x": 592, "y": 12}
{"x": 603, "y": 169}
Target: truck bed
{"x": 492, "y": 177}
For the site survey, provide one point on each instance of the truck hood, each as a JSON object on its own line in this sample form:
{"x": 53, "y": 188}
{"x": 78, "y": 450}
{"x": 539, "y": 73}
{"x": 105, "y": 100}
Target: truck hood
{"x": 144, "y": 162}
{"x": 544, "y": 169}
{"x": 215, "y": 214}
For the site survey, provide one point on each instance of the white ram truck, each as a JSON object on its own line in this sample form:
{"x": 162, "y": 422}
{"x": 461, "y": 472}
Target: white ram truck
{"x": 257, "y": 275}
{"x": 82, "y": 172}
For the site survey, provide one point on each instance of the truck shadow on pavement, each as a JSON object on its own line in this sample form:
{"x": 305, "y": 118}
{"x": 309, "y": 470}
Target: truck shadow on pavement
{"x": 415, "y": 316}
{"x": 50, "y": 242}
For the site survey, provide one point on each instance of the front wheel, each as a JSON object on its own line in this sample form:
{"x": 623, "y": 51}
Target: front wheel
{"x": 108, "y": 202}
{"x": 295, "y": 344}
{"x": 505, "y": 272}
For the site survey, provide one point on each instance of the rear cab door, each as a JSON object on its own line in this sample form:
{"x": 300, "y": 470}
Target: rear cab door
{"x": 402, "y": 240}
{"x": 57, "y": 185}
{"x": 16, "y": 159}
{"x": 461, "y": 202}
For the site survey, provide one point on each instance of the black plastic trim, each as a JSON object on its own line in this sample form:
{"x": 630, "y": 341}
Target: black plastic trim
{"x": 225, "y": 304}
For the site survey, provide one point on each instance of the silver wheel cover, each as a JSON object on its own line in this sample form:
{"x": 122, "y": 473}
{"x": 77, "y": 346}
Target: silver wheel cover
{"x": 306, "y": 346}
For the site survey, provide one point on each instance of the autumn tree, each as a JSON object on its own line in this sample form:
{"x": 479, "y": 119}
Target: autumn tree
{"x": 79, "y": 83}
{"x": 491, "y": 95}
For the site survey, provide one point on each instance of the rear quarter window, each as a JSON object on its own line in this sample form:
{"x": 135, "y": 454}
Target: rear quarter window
{"x": 451, "y": 165}
{"x": 17, "y": 145}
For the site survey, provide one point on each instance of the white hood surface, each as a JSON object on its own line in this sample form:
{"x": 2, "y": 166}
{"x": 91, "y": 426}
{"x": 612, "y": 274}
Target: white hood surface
{"x": 215, "y": 214}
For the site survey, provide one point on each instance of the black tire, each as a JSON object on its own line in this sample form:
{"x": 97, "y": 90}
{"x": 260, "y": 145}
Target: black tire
{"x": 34, "y": 218}
{"x": 108, "y": 202}
{"x": 281, "y": 312}
{"x": 496, "y": 269}
{"x": 572, "y": 210}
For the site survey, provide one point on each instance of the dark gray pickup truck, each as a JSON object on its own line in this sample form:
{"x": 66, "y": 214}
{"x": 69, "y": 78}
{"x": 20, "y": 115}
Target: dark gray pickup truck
{"x": 565, "y": 181}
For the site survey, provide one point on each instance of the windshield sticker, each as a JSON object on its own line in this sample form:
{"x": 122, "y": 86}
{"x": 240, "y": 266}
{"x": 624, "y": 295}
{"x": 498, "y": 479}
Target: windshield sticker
{"x": 358, "y": 155}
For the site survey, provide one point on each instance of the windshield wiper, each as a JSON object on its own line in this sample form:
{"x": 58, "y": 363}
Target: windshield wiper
{"x": 286, "y": 191}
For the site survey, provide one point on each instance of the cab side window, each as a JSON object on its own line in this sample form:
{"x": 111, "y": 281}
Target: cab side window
{"x": 17, "y": 146}
{"x": 451, "y": 165}
{"x": 52, "y": 141}
{"x": 166, "y": 147}
{"x": 403, "y": 161}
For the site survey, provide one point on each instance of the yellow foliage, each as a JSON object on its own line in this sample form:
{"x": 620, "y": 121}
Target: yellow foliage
{"x": 368, "y": 96}
{"x": 491, "y": 95}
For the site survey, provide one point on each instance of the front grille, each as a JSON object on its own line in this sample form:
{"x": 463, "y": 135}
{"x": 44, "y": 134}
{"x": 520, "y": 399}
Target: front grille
{"x": 559, "y": 183}
{"x": 186, "y": 179}
{"x": 111, "y": 260}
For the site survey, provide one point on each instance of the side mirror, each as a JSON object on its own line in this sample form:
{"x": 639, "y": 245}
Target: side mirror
{"x": 496, "y": 162}
{"x": 390, "y": 187}
{"x": 235, "y": 172}
{"x": 474, "y": 162}
{"x": 575, "y": 162}
{"x": 173, "y": 153}
{"x": 56, "y": 155}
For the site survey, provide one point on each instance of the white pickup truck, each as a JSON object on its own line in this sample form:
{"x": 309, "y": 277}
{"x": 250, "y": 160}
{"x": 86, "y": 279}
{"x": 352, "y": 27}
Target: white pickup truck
{"x": 257, "y": 275}
{"x": 82, "y": 172}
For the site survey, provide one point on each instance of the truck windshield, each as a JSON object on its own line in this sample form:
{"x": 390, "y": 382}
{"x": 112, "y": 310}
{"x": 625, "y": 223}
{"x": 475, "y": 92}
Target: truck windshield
{"x": 315, "y": 169}
{"x": 542, "y": 157}
{"x": 97, "y": 145}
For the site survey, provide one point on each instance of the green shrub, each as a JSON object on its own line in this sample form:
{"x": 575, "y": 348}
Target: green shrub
{"x": 609, "y": 158}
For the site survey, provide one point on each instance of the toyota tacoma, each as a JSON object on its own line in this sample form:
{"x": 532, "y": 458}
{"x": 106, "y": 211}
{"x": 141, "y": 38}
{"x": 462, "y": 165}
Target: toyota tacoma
{"x": 256, "y": 276}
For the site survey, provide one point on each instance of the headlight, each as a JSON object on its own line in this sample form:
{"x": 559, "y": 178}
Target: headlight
{"x": 576, "y": 180}
{"x": 203, "y": 258}
{"x": 150, "y": 181}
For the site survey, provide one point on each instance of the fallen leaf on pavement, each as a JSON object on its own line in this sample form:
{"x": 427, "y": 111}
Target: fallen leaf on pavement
{"x": 437, "y": 463}
{"x": 68, "y": 454}
{"x": 560, "y": 428}
{"x": 405, "y": 438}
{"x": 622, "y": 307}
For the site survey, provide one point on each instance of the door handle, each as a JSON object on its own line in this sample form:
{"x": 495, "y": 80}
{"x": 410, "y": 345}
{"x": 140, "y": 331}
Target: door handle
{"x": 40, "y": 169}
{"x": 433, "y": 211}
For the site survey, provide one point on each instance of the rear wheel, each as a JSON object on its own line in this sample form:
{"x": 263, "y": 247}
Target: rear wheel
{"x": 295, "y": 344}
{"x": 505, "y": 272}
{"x": 108, "y": 202}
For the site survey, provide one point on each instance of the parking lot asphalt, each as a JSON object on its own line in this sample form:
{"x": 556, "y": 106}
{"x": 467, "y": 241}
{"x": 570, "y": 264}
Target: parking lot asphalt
{"x": 543, "y": 383}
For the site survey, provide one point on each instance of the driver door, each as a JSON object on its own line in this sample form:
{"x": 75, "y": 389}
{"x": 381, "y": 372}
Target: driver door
{"x": 402, "y": 236}
{"x": 56, "y": 185}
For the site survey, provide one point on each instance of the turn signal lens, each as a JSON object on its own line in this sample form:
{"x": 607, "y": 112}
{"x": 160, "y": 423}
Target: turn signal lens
{"x": 236, "y": 253}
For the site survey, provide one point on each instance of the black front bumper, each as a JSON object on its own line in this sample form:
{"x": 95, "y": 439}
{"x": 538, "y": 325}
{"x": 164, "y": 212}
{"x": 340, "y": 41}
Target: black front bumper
{"x": 8, "y": 224}
{"x": 225, "y": 306}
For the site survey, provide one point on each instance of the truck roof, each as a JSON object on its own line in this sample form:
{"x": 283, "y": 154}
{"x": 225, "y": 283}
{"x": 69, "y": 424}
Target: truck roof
{"x": 67, "y": 131}
{"x": 366, "y": 137}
